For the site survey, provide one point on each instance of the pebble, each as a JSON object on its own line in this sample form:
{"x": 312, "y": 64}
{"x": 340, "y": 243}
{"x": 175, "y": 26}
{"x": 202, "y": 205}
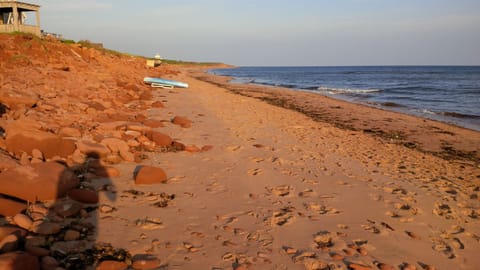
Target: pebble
{"x": 48, "y": 263}
{"x": 112, "y": 265}
{"x": 23, "y": 221}
{"x": 71, "y": 235}
{"x": 83, "y": 195}
{"x": 9, "y": 243}
{"x": 46, "y": 228}
{"x": 67, "y": 209}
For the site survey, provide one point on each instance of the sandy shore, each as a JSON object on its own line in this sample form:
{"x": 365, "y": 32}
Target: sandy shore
{"x": 286, "y": 180}
{"x": 282, "y": 191}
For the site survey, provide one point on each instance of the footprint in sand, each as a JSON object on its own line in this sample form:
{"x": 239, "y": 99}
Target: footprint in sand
{"x": 234, "y": 148}
{"x": 281, "y": 217}
{"x": 254, "y": 172}
{"x": 149, "y": 223}
{"x": 306, "y": 193}
{"x": 280, "y": 191}
{"x": 216, "y": 188}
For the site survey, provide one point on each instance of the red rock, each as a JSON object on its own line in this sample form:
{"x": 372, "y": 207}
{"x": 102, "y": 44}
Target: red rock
{"x": 88, "y": 147}
{"x": 18, "y": 260}
{"x": 384, "y": 266}
{"x": 83, "y": 195}
{"x": 355, "y": 266}
{"x": 112, "y": 265}
{"x": 192, "y": 149}
{"x": 37, "y": 154}
{"x": 178, "y": 146}
{"x": 38, "y": 208}
{"x": 23, "y": 221}
{"x": 9, "y": 243}
{"x": 67, "y": 209}
{"x": 157, "y": 104}
{"x": 10, "y": 207}
{"x": 41, "y": 181}
{"x": 115, "y": 145}
{"x": 160, "y": 139}
{"x": 46, "y": 228}
{"x": 153, "y": 123}
{"x": 147, "y": 175}
{"x": 127, "y": 155}
{"x": 182, "y": 121}
{"x": 37, "y": 251}
{"x": 71, "y": 235}
{"x": 6, "y": 230}
{"x": 139, "y": 128}
{"x": 6, "y": 162}
{"x": 69, "y": 132}
{"x": 49, "y": 263}
{"x": 50, "y": 145}
{"x": 107, "y": 172}
{"x": 146, "y": 264}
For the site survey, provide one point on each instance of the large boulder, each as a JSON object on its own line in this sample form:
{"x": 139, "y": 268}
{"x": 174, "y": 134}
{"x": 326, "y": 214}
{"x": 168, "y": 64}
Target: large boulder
{"x": 40, "y": 181}
{"x": 9, "y": 207}
{"x": 49, "y": 144}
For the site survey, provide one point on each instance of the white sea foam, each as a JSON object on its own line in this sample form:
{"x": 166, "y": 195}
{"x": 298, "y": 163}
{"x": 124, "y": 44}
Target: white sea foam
{"x": 334, "y": 91}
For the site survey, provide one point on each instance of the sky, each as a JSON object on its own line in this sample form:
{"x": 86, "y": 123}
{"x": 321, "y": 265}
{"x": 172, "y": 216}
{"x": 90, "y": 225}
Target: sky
{"x": 277, "y": 32}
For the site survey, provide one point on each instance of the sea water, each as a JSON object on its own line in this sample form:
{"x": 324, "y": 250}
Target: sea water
{"x": 445, "y": 93}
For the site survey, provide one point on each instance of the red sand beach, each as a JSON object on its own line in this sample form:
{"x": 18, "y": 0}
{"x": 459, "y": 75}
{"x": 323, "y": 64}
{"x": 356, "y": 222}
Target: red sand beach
{"x": 100, "y": 171}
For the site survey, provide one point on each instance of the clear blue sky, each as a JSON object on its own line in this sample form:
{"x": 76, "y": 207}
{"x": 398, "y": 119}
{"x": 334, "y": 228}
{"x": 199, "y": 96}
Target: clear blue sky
{"x": 277, "y": 32}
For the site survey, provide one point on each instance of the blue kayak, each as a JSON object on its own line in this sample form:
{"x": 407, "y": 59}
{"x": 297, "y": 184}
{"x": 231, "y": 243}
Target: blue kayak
{"x": 158, "y": 82}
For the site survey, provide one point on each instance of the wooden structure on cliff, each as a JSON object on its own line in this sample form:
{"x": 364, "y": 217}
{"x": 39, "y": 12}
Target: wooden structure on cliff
{"x": 13, "y": 17}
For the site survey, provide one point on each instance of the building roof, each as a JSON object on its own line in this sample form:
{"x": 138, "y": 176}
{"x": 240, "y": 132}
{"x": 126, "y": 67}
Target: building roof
{"x": 20, "y": 5}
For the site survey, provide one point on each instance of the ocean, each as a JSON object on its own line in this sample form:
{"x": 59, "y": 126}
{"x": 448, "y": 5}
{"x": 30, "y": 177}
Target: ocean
{"x": 444, "y": 93}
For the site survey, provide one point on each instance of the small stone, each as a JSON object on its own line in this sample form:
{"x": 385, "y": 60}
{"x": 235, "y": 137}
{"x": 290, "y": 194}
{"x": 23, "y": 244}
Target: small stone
{"x": 46, "y": 228}
{"x": 160, "y": 139}
{"x": 83, "y": 195}
{"x": 23, "y": 221}
{"x": 112, "y": 265}
{"x": 192, "y": 149}
{"x": 147, "y": 175}
{"x": 67, "y": 209}
{"x": 37, "y": 251}
{"x": 337, "y": 257}
{"x": 69, "y": 132}
{"x": 384, "y": 266}
{"x": 49, "y": 263}
{"x": 71, "y": 235}
{"x": 39, "y": 208}
{"x": 413, "y": 235}
{"x": 182, "y": 121}
{"x": 356, "y": 266}
{"x": 37, "y": 154}
{"x": 9, "y": 243}
{"x": 409, "y": 267}
{"x": 145, "y": 262}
